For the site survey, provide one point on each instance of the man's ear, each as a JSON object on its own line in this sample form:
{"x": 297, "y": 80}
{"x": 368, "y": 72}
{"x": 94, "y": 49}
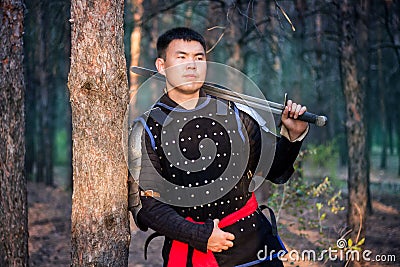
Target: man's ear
{"x": 160, "y": 65}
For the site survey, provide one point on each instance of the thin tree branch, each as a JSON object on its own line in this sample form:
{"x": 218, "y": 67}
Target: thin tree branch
{"x": 285, "y": 15}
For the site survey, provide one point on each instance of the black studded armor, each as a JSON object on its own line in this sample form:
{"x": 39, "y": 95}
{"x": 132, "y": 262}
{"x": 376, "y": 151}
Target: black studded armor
{"x": 211, "y": 138}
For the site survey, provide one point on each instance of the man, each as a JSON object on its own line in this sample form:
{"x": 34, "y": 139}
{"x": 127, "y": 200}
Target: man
{"x": 227, "y": 229}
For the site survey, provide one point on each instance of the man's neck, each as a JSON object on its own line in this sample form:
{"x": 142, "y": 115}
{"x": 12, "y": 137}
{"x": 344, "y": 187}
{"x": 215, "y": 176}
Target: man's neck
{"x": 187, "y": 101}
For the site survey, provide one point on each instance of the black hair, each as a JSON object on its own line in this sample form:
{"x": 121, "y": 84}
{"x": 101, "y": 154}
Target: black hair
{"x": 179, "y": 33}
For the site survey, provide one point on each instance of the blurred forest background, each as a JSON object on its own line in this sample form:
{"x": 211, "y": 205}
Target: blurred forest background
{"x": 289, "y": 47}
{"x": 252, "y": 36}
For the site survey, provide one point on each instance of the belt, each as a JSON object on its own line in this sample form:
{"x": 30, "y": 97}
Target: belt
{"x": 179, "y": 250}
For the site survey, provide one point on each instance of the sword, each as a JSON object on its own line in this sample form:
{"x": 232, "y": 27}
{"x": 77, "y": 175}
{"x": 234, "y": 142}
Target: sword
{"x": 254, "y": 102}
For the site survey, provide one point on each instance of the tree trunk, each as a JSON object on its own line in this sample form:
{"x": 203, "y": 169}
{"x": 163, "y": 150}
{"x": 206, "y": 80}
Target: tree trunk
{"x": 355, "y": 121}
{"x": 13, "y": 199}
{"x": 136, "y": 37}
{"x": 99, "y": 97}
{"x": 382, "y": 108}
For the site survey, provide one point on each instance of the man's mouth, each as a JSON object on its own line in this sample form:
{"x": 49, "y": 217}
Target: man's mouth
{"x": 190, "y": 76}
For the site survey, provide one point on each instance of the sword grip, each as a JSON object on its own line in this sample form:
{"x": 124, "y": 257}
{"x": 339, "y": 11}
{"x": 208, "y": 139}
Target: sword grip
{"x": 313, "y": 118}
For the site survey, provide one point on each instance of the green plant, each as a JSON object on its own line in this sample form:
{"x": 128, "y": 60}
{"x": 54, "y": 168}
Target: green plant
{"x": 310, "y": 202}
{"x": 323, "y": 158}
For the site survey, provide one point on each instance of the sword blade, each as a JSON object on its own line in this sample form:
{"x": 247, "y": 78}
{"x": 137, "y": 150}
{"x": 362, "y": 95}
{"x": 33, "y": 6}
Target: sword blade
{"x": 227, "y": 94}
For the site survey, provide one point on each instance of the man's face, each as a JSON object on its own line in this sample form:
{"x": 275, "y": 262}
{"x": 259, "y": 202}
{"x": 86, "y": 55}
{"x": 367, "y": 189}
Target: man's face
{"x": 184, "y": 66}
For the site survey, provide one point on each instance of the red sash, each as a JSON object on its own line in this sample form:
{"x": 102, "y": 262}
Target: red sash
{"x": 179, "y": 250}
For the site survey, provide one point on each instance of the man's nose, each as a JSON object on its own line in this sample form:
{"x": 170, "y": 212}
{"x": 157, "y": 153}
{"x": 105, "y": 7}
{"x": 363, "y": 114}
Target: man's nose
{"x": 191, "y": 64}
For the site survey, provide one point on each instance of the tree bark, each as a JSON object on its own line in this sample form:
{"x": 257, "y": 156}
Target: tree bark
{"x": 355, "y": 121}
{"x": 99, "y": 97}
{"x": 13, "y": 198}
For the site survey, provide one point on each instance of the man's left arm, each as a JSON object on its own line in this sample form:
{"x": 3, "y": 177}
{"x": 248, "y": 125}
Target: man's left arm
{"x": 293, "y": 132}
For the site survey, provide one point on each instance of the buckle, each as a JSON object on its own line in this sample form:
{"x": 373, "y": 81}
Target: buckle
{"x": 249, "y": 174}
{"x": 149, "y": 193}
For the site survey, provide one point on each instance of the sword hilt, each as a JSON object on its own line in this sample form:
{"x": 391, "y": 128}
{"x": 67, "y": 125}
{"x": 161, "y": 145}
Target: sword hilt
{"x": 309, "y": 117}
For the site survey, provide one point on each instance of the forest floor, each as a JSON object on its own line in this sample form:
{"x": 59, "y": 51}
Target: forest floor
{"x": 50, "y": 245}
